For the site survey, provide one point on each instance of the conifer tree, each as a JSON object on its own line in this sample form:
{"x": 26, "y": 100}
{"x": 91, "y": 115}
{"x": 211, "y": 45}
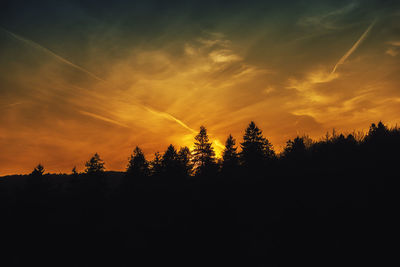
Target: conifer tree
{"x": 255, "y": 147}
{"x": 295, "y": 148}
{"x": 230, "y": 156}
{"x": 95, "y": 165}
{"x": 38, "y": 170}
{"x": 156, "y": 164}
{"x": 185, "y": 164}
{"x": 170, "y": 161}
{"x": 138, "y": 165}
{"x": 37, "y": 183}
{"x": 203, "y": 153}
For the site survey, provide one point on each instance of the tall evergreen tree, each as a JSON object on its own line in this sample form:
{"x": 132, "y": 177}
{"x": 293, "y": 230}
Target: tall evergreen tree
{"x": 95, "y": 165}
{"x": 138, "y": 165}
{"x": 255, "y": 147}
{"x": 185, "y": 161}
{"x": 156, "y": 164}
{"x": 170, "y": 161}
{"x": 203, "y": 153}
{"x": 230, "y": 156}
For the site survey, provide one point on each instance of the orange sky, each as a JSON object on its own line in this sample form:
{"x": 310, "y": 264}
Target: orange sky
{"x": 67, "y": 92}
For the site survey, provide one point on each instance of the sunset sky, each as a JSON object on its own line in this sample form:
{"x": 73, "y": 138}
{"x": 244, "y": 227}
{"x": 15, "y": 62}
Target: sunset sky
{"x": 79, "y": 77}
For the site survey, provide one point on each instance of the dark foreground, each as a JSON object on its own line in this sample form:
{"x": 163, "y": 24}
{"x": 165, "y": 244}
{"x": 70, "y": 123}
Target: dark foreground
{"x": 301, "y": 217}
{"x": 332, "y": 203}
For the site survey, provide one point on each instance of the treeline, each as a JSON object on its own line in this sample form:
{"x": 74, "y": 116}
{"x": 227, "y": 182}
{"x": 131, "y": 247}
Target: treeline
{"x": 257, "y": 153}
{"x": 317, "y": 203}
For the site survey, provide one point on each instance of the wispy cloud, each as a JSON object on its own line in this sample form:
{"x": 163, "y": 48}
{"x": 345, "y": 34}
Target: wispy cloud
{"x": 328, "y": 20}
{"x": 13, "y": 104}
{"x": 170, "y": 117}
{"x": 394, "y": 43}
{"x": 223, "y": 56}
{"x": 394, "y": 48}
{"x": 392, "y": 52}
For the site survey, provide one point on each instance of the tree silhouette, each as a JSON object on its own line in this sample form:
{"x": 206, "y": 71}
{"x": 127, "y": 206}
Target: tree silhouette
{"x": 170, "y": 163}
{"x": 203, "y": 153}
{"x": 95, "y": 165}
{"x": 38, "y": 170}
{"x": 74, "y": 172}
{"x": 37, "y": 184}
{"x": 185, "y": 158}
{"x": 255, "y": 147}
{"x": 295, "y": 149}
{"x": 319, "y": 194}
{"x": 230, "y": 156}
{"x": 138, "y": 165}
{"x": 156, "y": 164}
{"x": 377, "y": 132}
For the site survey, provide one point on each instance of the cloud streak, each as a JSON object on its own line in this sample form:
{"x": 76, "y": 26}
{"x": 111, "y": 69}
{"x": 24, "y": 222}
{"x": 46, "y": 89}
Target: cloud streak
{"x": 63, "y": 60}
{"x": 354, "y": 47}
{"x": 96, "y": 116}
{"x": 170, "y": 117}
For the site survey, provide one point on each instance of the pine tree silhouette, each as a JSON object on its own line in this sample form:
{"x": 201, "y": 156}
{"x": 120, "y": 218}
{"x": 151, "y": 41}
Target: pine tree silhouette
{"x": 230, "y": 157}
{"x": 256, "y": 149}
{"x": 156, "y": 164}
{"x": 38, "y": 170}
{"x": 170, "y": 163}
{"x": 138, "y": 165}
{"x": 95, "y": 165}
{"x": 185, "y": 161}
{"x": 295, "y": 149}
{"x": 203, "y": 153}
{"x": 37, "y": 184}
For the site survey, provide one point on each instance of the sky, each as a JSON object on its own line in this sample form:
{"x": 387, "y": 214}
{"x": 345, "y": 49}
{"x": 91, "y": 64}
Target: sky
{"x": 79, "y": 77}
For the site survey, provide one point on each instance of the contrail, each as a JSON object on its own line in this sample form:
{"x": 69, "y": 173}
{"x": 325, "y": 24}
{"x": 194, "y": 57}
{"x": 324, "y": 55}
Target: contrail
{"x": 13, "y": 104}
{"x": 184, "y": 125}
{"x": 169, "y": 117}
{"x": 354, "y": 47}
{"x": 48, "y": 51}
{"x": 103, "y": 118}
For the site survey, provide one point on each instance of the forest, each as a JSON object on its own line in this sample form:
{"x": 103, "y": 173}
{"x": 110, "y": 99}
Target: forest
{"x": 326, "y": 202}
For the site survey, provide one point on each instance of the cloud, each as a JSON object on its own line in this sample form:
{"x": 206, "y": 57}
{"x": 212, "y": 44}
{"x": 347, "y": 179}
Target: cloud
{"x": 13, "y": 104}
{"x": 328, "y": 20}
{"x": 394, "y": 43}
{"x": 392, "y": 52}
{"x": 223, "y": 56}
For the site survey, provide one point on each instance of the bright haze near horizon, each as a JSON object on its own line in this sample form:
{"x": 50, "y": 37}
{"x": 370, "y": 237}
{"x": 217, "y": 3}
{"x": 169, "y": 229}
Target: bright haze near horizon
{"x": 79, "y": 77}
